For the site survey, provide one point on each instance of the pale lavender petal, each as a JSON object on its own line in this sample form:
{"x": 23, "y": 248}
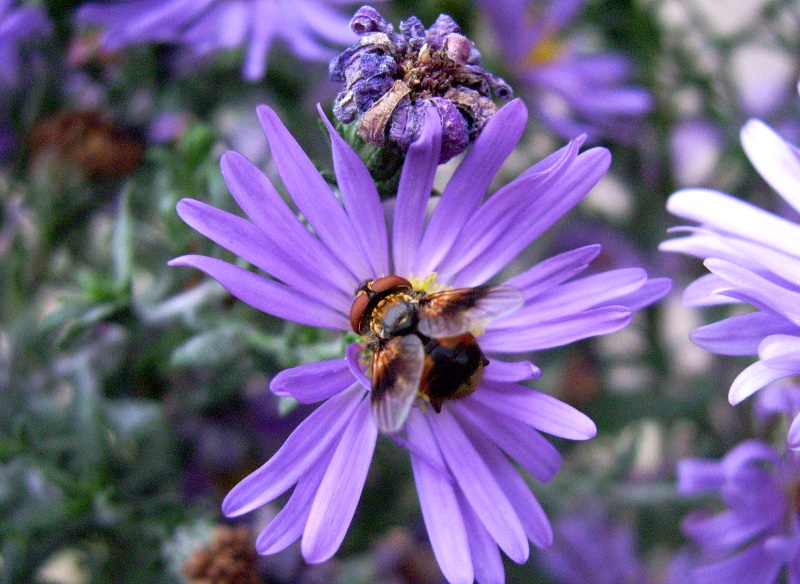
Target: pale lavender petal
{"x": 705, "y": 291}
{"x": 288, "y": 525}
{"x": 266, "y": 295}
{"x": 525, "y": 445}
{"x": 536, "y": 409}
{"x": 248, "y": 242}
{"x": 533, "y": 518}
{"x": 486, "y": 560}
{"x": 503, "y": 237}
{"x": 303, "y": 449}
{"x": 480, "y": 487}
{"x": 779, "y": 263}
{"x": 510, "y": 371}
{"x": 440, "y": 509}
{"x": 313, "y": 382}
{"x": 776, "y": 160}
{"x": 554, "y": 271}
{"x": 758, "y": 291}
{"x": 734, "y": 216}
{"x": 414, "y": 191}
{"x": 534, "y": 336}
{"x": 266, "y": 208}
{"x": 468, "y": 185}
{"x": 752, "y": 379}
{"x": 338, "y": 494}
{"x": 741, "y": 334}
{"x": 781, "y": 352}
{"x": 729, "y": 529}
{"x": 312, "y": 195}
{"x": 361, "y": 200}
{"x": 706, "y": 243}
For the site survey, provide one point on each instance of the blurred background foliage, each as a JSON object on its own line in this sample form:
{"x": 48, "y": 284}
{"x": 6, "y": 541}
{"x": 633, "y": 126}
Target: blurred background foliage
{"x": 134, "y": 395}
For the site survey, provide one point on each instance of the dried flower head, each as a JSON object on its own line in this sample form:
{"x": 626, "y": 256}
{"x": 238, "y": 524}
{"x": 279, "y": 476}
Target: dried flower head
{"x": 391, "y": 78}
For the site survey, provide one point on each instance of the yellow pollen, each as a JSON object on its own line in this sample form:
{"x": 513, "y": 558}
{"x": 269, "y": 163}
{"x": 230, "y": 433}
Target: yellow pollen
{"x": 428, "y": 284}
{"x": 544, "y": 52}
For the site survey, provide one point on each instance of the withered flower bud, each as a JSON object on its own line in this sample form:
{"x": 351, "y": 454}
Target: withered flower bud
{"x": 390, "y": 78}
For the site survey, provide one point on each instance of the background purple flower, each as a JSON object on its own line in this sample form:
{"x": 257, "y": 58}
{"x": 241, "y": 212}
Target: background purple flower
{"x": 753, "y": 258}
{"x": 472, "y": 498}
{"x": 757, "y": 534}
{"x": 17, "y": 25}
{"x": 571, "y": 89}
{"x": 308, "y": 27}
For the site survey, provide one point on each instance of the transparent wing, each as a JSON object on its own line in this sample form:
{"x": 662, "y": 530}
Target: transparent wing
{"x": 396, "y": 375}
{"x": 455, "y": 312}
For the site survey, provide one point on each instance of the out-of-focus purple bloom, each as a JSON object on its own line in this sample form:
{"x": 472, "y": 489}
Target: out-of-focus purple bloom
{"x": 757, "y": 535}
{"x": 200, "y": 27}
{"x": 753, "y": 258}
{"x": 391, "y": 78}
{"x": 588, "y": 549}
{"x": 571, "y": 90}
{"x": 695, "y": 146}
{"x": 473, "y": 499}
{"x": 17, "y": 25}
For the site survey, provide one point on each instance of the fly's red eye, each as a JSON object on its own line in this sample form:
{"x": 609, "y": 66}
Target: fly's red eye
{"x": 386, "y": 282}
{"x": 357, "y": 311}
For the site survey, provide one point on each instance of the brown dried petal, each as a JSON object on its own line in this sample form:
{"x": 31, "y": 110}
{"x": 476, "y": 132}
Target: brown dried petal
{"x": 374, "y": 121}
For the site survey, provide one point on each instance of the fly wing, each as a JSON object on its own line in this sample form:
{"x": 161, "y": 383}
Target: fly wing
{"x": 455, "y": 312}
{"x": 396, "y": 375}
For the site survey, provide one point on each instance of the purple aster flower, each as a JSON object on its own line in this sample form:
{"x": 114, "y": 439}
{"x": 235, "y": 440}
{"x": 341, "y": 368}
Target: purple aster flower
{"x": 17, "y": 25}
{"x": 757, "y": 535}
{"x": 753, "y": 258}
{"x": 201, "y": 27}
{"x": 391, "y": 78}
{"x": 472, "y": 497}
{"x": 571, "y": 90}
{"x": 588, "y": 549}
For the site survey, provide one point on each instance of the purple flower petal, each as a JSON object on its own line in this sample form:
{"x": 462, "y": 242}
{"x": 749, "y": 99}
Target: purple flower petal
{"x": 652, "y": 290}
{"x": 469, "y": 183}
{"x": 574, "y": 297}
{"x": 553, "y": 271}
{"x": 303, "y": 449}
{"x": 698, "y": 475}
{"x": 288, "y": 525}
{"x": 706, "y": 291}
{"x": 313, "y": 382}
{"x": 264, "y": 26}
{"x": 741, "y": 334}
{"x": 338, "y": 494}
{"x": 510, "y": 371}
{"x": 248, "y": 242}
{"x": 734, "y": 217}
{"x": 505, "y": 225}
{"x": 757, "y": 290}
{"x": 534, "y": 336}
{"x": 266, "y": 208}
{"x": 533, "y": 518}
{"x": 793, "y": 438}
{"x": 361, "y": 201}
{"x": 752, "y": 565}
{"x": 781, "y": 352}
{"x": 486, "y": 560}
{"x": 266, "y": 295}
{"x": 777, "y": 161}
{"x": 413, "y": 193}
{"x": 353, "y": 358}
{"x": 480, "y": 487}
{"x": 531, "y": 450}
{"x": 536, "y": 409}
{"x": 439, "y": 504}
{"x": 752, "y": 379}
{"x": 313, "y": 195}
